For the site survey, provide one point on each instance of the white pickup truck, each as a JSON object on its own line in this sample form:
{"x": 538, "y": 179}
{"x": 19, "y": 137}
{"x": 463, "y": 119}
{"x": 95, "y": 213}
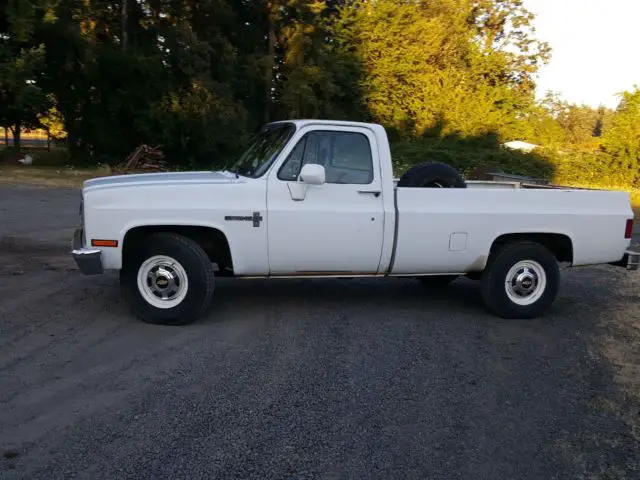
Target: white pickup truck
{"x": 314, "y": 198}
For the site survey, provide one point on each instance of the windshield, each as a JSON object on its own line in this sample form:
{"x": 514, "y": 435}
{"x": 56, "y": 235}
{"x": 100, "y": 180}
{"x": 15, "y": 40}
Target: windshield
{"x": 265, "y": 147}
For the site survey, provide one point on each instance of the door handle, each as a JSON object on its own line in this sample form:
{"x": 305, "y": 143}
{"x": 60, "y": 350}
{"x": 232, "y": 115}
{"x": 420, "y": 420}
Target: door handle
{"x": 375, "y": 193}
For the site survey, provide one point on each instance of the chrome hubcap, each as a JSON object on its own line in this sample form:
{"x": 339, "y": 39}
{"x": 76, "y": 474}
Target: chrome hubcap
{"x": 162, "y": 281}
{"x": 526, "y": 282}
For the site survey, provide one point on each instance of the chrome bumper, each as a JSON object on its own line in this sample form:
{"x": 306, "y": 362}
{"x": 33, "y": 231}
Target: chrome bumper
{"x": 630, "y": 260}
{"x": 87, "y": 259}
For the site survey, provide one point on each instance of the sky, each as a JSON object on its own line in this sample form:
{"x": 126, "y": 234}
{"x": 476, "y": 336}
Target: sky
{"x": 595, "y": 46}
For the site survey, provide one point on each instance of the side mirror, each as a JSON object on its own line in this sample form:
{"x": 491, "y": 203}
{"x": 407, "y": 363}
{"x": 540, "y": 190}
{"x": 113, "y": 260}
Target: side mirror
{"x": 312, "y": 174}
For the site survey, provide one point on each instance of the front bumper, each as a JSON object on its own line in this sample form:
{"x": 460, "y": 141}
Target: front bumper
{"x": 630, "y": 260}
{"x": 89, "y": 260}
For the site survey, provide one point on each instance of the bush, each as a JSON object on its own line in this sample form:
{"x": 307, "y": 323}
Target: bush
{"x": 571, "y": 167}
{"x": 469, "y": 155}
{"x": 587, "y": 168}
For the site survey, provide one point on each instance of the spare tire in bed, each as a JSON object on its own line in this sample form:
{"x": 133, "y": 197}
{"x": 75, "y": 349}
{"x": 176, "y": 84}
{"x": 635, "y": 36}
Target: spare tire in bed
{"x": 432, "y": 175}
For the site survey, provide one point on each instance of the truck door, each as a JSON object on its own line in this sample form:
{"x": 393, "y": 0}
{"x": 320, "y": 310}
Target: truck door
{"x": 337, "y": 227}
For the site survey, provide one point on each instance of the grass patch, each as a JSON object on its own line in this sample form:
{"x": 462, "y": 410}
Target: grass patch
{"x": 49, "y": 176}
{"x": 42, "y": 157}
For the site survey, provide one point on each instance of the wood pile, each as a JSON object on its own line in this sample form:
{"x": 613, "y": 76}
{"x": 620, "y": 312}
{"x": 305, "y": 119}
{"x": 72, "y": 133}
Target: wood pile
{"x": 143, "y": 159}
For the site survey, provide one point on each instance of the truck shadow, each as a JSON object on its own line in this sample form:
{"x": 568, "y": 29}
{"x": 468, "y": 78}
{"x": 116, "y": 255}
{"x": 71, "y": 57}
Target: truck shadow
{"x": 583, "y": 293}
{"x": 384, "y": 294}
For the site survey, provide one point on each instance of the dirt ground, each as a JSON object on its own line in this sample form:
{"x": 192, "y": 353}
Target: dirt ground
{"x": 306, "y": 379}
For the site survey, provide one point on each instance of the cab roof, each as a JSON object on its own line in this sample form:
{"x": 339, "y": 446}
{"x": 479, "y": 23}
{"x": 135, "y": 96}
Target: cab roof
{"x": 312, "y": 121}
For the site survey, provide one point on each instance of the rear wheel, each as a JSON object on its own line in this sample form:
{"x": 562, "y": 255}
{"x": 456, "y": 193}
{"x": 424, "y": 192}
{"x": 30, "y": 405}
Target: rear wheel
{"x": 521, "y": 281}
{"x": 168, "y": 280}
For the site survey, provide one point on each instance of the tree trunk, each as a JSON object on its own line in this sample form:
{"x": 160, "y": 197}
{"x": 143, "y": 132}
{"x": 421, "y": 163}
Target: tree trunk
{"x": 123, "y": 25}
{"x": 16, "y": 135}
{"x": 72, "y": 141}
{"x": 271, "y": 60}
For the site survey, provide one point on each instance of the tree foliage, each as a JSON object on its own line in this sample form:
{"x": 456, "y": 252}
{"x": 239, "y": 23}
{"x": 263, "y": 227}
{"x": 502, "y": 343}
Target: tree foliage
{"x": 22, "y": 62}
{"x": 443, "y": 66}
{"x": 622, "y": 139}
{"x": 200, "y": 76}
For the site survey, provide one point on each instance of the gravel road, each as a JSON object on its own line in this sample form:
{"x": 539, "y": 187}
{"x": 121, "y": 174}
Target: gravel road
{"x": 306, "y": 379}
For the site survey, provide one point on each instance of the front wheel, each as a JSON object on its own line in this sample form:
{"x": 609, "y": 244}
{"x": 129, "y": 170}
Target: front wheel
{"x": 521, "y": 281}
{"x": 169, "y": 280}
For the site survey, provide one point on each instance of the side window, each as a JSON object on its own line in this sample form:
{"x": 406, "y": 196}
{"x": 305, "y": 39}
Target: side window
{"x": 346, "y": 157}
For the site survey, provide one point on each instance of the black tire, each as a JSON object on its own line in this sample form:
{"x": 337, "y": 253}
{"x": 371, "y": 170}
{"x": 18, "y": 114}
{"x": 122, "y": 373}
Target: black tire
{"x": 437, "y": 281}
{"x": 194, "y": 262}
{"x": 432, "y": 175}
{"x": 494, "y": 278}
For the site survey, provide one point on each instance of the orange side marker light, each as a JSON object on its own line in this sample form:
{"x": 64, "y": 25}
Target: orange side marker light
{"x": 104, "y": 243}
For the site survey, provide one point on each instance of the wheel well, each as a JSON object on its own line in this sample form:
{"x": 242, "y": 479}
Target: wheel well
{"x": 212, "y": 241}
{"x": 558, "y": 244}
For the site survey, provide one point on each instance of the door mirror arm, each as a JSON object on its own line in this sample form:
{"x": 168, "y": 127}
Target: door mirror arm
{"x": 310, "y": 174}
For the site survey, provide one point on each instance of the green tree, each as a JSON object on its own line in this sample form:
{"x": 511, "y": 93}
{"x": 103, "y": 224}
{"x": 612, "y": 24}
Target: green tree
{"x": 198, "y": 76}
{"x": 622, "y": 139}
{"x": 505, "y": 26}
{"x": 22, "y": 61}
{"x": 557, "y": 122}
{"x": 53, "y": 122}
{"x": 308, "y": 74}
{"x": 134, "y": 72}
{"x": 425, "y": 72}
{"x": 603, "y": 121}
{"x": 579, "y": 123}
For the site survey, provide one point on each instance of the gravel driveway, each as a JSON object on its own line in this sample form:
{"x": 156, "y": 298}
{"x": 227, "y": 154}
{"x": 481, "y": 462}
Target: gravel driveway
{"x": 306, "y": 379}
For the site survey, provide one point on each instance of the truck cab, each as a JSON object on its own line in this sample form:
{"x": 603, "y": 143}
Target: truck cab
{"x": 318, "y": 217}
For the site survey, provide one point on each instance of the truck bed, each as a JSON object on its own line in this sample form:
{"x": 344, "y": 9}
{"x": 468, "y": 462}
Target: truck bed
{"x": 452, "y": 230}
